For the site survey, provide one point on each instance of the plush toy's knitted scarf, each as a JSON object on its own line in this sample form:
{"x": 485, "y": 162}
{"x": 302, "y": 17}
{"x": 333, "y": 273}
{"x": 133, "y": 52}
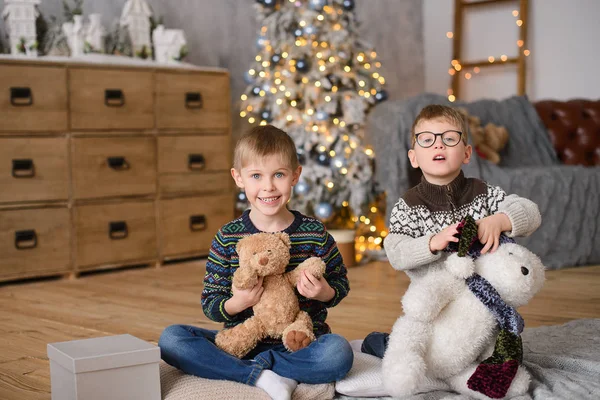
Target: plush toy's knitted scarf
{"x": 495, "y": 374}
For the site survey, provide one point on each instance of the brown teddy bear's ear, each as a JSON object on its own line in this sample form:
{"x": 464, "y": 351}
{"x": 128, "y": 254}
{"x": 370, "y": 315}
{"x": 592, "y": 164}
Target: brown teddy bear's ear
{"x": 240, "y": 244}
{"x": 284, "y": 238}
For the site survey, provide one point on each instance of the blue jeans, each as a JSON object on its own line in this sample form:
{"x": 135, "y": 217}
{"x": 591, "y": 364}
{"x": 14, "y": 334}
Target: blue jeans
{"x": 375, "y": 344}
{"x": 193, "y": 351}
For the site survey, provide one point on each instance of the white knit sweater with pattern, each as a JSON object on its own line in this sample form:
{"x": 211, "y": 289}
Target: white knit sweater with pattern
{"x": 426, "y": 209}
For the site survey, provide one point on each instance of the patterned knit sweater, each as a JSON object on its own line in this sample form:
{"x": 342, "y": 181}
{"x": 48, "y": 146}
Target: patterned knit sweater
{"x": 309, "y": 239}
{"x": 426, "y": 209}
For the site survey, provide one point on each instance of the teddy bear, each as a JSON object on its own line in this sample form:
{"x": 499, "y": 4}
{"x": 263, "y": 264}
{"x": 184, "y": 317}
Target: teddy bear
{"x": 460, "y": 329}
{"x": 488, "y": 140}
{"x": 277, "y": 314}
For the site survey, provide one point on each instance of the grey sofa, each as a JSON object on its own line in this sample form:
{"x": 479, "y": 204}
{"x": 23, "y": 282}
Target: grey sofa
{"x": 568, "y": 196}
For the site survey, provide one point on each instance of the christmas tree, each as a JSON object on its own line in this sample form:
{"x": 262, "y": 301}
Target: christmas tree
{"x": 316, "y": 79}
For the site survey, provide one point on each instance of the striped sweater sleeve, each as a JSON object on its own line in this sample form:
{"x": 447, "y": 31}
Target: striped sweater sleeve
{"x": 335, "y": 271}
{"x": 217, "y": 281}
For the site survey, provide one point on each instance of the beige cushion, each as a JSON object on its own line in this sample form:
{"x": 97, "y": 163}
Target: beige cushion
{"x": 364, "y": 378}
{"x": 175, "y": 385}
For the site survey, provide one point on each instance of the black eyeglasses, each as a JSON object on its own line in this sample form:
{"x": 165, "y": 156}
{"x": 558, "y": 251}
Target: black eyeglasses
{"x": 427, "y": 139}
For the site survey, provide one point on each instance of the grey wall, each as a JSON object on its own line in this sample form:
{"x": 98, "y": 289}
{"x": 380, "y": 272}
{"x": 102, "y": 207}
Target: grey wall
{"x": 223, "y": 33}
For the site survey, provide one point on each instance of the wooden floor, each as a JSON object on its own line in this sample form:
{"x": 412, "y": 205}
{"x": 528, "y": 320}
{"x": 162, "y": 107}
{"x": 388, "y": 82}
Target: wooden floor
{"x": 143, "y": 301}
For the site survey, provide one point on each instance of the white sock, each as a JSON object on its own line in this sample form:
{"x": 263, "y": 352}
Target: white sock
{"x": 278, "y": 387}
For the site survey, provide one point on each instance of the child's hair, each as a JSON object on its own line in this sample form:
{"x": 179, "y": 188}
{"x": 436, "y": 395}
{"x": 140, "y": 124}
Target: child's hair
{"x": 263, "y": 141}
{"x": 438, "y": 111}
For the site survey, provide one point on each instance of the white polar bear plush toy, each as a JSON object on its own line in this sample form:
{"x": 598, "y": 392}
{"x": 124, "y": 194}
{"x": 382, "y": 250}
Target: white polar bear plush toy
{"x": 458, "y": 315}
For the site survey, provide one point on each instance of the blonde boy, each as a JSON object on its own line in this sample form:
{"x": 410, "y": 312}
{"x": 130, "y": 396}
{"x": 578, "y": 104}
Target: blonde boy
{"x": 424, "y": 220}
{"x": 266, "y": 167}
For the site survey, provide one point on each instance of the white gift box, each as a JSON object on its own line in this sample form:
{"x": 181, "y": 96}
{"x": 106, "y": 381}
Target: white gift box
{"x": 120, "y": 367}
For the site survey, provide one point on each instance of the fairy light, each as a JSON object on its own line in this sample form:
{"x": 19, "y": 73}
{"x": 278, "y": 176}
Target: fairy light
{"x": 244, "y": 97}
{"x": 456, "y": 66}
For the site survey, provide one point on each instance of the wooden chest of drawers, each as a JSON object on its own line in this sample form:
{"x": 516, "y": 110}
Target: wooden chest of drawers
{"x": 104, "y": 166}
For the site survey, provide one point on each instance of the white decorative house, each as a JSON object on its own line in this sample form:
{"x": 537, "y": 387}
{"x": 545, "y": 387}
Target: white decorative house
{"x": 75, "y": 33}
{"x": 168, "y": 44}
{"x": 20, "y": 16}
{"x": 136, "y": 17}
{"x": 94, "y": 34}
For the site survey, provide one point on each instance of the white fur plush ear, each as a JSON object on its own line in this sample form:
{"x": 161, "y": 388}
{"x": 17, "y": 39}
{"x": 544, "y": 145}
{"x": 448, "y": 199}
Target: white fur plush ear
{"x": 460, "y": 267}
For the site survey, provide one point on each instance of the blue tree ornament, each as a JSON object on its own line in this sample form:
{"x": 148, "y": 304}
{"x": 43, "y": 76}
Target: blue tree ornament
{"x": 266, "y": 115}
{"x": 248, "y": 78}
{"x": 381, "y": 95}
{"x": 323, "y": 211}
{"x": 302, "y": 65}
{"x": 321, "y": 116}
{"x": 348, "y": 5}
{"x": 275, "y": 59}
{"x": 301, "y": 188}
{"x": 317, "y": 5}
{"x": 324, "y": 159}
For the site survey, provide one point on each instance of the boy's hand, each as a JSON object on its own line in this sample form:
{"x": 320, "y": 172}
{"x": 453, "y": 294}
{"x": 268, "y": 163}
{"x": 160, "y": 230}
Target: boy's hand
{"x": 489, "y": 230}
{"x": 440, "y": 240}
{"x": 244, "y": 298}
{"x": 314, "y": 288}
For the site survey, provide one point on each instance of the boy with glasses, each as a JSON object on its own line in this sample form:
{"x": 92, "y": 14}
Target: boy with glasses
{"x": 424, "y": 221}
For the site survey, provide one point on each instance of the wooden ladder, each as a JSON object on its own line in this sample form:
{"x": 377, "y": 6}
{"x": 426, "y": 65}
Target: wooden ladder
{"x": 460, "y": 7}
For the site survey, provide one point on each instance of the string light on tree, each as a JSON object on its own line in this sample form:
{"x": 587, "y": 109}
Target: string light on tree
{"x": 316, "y": 78}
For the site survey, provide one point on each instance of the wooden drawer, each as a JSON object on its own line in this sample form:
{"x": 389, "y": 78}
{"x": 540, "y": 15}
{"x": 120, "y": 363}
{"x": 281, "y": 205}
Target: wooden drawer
{"x": 33, "y": 99}
{"x": 34, "y": 242}
{"x": 33, "y": 169}
{"x": 110, "y": 99}
{"x": 116, "y": 166}
{"x": 189, "y": 224}
{"x": 114, "y": 233}
{"x": 192, "y": 100}
{"x": 194, "y": 164}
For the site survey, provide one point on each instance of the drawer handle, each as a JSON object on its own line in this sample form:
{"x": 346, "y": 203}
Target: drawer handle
{"x": 21, "y": 96}
{"x": 117, "y": 230}
{"x": 193, "y": 100}
{"x": 197, "y": 223}
{"x": 23, "y": 168}
{"x": 114, "y": 98}
{"x": 196, "y": 162}
{"x": 118, "y": 163}
{"x": 25, "y": 240}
